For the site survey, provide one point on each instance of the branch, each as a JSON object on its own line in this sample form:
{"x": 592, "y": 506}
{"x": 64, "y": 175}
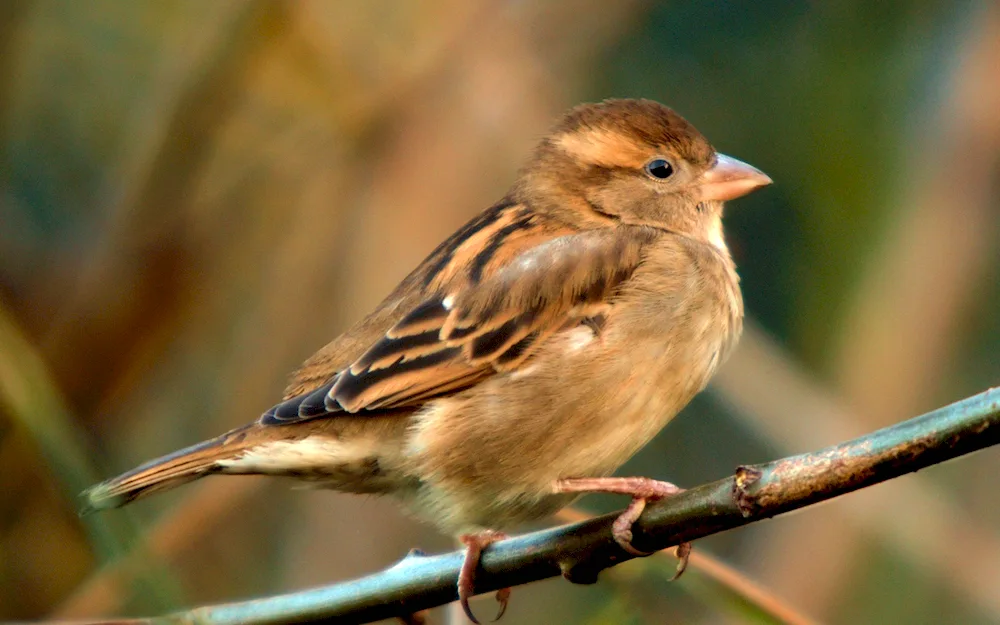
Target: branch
{"x": 580, "y": 551}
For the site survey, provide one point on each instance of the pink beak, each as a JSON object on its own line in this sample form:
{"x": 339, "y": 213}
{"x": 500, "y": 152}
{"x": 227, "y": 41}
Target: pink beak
{"x": 729, "y": 179}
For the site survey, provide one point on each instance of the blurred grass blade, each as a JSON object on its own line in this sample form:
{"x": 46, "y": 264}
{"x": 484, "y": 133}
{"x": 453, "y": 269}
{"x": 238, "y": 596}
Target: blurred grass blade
{"x": 35, "y": 404}
{"x": 728, "y": 590}
{"x": 187, "y": 524}
{"x": 617, "y": 611}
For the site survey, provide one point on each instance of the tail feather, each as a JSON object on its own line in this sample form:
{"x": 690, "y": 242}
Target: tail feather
{"x": 164, "y": 473}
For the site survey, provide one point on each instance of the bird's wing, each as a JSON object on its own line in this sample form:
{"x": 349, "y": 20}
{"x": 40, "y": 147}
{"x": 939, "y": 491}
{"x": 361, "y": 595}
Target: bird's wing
{"x": 459, "y": 337}
{"x": 477, "y": 249}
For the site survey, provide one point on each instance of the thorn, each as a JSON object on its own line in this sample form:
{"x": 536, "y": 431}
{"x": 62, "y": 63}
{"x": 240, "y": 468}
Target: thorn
{"x": 411, "y": 555}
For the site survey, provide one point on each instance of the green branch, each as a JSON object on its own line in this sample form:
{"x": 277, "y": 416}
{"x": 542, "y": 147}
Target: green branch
{"x": 580, "y": 551}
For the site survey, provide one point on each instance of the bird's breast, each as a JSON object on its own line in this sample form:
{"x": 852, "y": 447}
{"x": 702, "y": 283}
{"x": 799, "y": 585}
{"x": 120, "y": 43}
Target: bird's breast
{"x": 590, "y": 398}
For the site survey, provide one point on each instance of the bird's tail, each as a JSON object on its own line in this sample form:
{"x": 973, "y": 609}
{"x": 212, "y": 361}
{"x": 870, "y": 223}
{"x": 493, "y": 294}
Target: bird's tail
{"x": 164, "y": 473}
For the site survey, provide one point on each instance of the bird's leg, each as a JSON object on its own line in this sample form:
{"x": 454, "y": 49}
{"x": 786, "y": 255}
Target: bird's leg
{"x": 474, "y": 545}
{"x": 642, "y": 490}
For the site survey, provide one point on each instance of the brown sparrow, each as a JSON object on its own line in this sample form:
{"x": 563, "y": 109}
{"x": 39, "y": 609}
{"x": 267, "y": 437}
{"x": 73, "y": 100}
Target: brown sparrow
{"x": 530, "y": 355}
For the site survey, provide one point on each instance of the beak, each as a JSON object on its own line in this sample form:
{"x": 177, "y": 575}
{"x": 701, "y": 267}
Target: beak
{"x": 729, "y": 179}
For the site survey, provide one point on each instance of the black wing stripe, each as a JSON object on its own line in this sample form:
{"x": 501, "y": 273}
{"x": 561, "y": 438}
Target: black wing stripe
{"x": 494, "y": 341}
{"x": 461, "y": 333}
{"x": 486, "y": 255}
{"x": 350, "y": 386}
{"x": 594, "y": 293}
{"x": 430, "y": 314}
{"x": 407, "y": 397}
{"x": 513, "y": 353}
{"x": 446, "y": 251}
{"x": 388, "y": 352}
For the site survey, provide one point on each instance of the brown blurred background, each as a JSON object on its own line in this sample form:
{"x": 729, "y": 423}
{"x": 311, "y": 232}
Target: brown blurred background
{"x": 195, "y": 195}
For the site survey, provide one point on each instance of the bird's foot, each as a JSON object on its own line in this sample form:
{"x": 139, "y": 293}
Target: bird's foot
{"x": 474, "y": 545}
{"x": 642, "y": 490}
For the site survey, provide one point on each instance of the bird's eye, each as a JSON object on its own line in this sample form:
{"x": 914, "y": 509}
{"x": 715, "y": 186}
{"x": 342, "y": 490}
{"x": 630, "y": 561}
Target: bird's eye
{"x": 659, "y": 168}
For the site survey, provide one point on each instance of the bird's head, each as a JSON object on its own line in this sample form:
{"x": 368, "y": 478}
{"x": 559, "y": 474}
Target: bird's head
{"x": 635, "y": 162}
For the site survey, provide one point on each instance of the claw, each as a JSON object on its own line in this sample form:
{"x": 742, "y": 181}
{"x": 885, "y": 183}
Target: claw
{"x": 474, "y": 545}
{"x": 468, "y": 611}
{"x": 503, "y": 597}
{"x": 683, "y": 553}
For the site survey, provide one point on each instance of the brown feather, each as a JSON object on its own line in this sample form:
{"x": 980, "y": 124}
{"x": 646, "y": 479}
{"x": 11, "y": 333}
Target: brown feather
{"x": 164, "y": 473}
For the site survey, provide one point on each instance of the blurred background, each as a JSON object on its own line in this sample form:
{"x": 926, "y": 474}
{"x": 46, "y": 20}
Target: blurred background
{"x": 196, "y": 195}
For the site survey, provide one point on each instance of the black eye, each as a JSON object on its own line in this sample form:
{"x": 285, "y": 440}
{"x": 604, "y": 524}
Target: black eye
{"x": 659, "y": 168}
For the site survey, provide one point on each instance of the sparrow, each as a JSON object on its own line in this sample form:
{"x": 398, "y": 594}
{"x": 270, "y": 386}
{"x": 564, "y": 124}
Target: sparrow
{"x": 529, "y": 356}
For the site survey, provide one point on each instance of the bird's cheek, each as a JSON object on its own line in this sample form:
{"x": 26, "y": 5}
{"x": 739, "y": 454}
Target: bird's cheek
{"x": 653, "y": 209}
{"x": 604, "y": 200}
{"x": 629, "y": 202}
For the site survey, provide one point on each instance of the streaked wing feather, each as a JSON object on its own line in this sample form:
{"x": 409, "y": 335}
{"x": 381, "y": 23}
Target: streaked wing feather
{"x": 459, "y": 337}
{"x": 493, "y": 325}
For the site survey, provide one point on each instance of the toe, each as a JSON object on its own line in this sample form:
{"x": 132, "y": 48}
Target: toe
{"x": 474, "y": 545}
{"x": 683, "y": 553}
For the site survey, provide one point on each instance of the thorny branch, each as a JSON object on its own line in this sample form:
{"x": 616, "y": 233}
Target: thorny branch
{"x": 580, "y": 551}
